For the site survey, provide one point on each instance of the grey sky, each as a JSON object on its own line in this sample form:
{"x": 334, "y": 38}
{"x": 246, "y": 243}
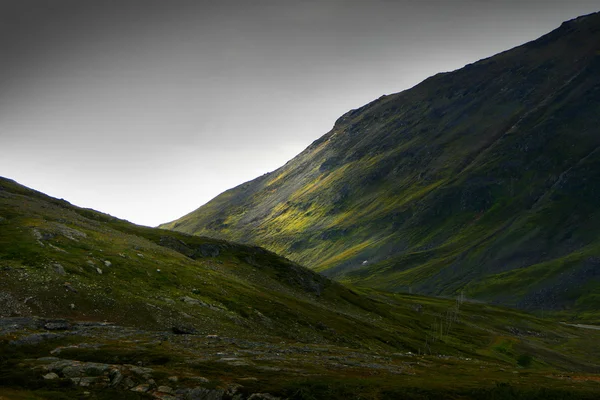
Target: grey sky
{"x": 147, "y": 109}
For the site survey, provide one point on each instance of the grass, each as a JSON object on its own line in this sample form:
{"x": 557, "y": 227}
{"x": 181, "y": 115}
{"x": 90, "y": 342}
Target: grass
{"x": 296, "y": 333}
{"x": 487, "y": 174}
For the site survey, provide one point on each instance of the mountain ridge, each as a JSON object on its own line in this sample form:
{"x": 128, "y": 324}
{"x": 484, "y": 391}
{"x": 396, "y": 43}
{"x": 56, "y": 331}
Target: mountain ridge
{"x": 455, "y": 184}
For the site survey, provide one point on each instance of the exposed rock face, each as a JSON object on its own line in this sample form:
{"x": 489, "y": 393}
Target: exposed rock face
{"x": 57, "y": 326}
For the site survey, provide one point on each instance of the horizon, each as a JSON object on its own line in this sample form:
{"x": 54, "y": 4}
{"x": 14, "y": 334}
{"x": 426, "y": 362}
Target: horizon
{"x": 131, "y": 119}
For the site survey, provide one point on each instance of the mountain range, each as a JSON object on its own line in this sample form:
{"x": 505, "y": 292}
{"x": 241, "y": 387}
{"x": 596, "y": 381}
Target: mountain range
{"x": 483, "y": 181}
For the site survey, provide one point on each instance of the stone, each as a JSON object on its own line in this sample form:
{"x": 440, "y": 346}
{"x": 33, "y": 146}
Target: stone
{"x": 128, "y": 383}
{"x": 51, "y": 376}
{"x": 96, "y": 369}
{"x": 173, "y": 379}
{"x": 87, "y": 381}
{"x": 204, "y": 394}
{"x": 199, "y": 379}
{"x": 70, "y": 288}
{"x": 263, "y": 396}
{"x": 143, "y": 372}
{"x": 115, "y": 377}
{"x": 73, "y": 371}
{"x": 48, "y": 359}
{"x": 164, "y": 396}
{"x": 107, "y": 263}
{"x": 143, "y": 388}
{"x": 233, "y": 388}
{"x": 190, "y": 300}
{"x": 99, "y": 271}
{"x": 165, "y": 389}
{"x": 184, "y": 330}
{"x": 57, "y": 326}
{"x": 35, "y": 339}
{"x": 59, "y": 269}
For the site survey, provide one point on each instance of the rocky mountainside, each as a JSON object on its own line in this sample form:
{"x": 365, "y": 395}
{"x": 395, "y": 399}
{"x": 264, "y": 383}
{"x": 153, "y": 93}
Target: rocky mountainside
{"x": 484, "y": 180}
{"x": 94, "y": 307}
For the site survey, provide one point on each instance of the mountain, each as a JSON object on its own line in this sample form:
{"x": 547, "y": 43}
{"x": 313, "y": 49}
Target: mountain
{"x": 484, "y": 180}
{"x": 95, "y": 307}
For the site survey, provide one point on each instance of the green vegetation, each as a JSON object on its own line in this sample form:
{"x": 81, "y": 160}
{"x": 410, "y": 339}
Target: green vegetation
{"x": 254, "y": 321}
{"x": 483, "y": 180}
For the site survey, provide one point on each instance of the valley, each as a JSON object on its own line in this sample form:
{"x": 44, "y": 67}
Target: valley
{"x": 95, "y": 307}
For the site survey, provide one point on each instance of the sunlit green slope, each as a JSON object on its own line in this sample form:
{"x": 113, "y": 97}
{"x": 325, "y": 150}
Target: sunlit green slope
{"x": 485, "y": 179}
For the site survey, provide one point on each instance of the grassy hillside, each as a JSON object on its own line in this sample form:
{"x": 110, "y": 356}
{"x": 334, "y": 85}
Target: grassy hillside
{"x": 483, "y": 180}
{"x": 93, "y": 306}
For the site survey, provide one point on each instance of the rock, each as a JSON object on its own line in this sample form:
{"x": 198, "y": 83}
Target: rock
{"x": 73, "y": 371}
{"x": 143, "y": 372}
{"x": 70, "y": 288}
{"x": 88, "y": 381}
{"x": 263, "y": 396}
{"x": 202, "y": 394}
{"x": 51, "y": 376}
{"x": 164, "y": 396}
{"x": 107, "y": 263}
{"x": 165, "y": 389}
{"x": 59, "y": 269}
{"x": 199, "y": 379}
{"x": 91, "y": 263}
{"x": 190, "y": 300}
{"x": 207, "y": 250}
{"x": 143, "y": 388}
{"x": 99, "y": 271}
{"x": 57, "y": 326}
{"x": 232, "y": 389}
{"x": 35, "y": 339}
{"x": 96, "y": 369}
{"x": 174, "y": 379}
{"x": 184, "y": 330}
{"x": 115, "y": 377}
{"x": 128, "y": 383}
{"x": 48, "y": 359}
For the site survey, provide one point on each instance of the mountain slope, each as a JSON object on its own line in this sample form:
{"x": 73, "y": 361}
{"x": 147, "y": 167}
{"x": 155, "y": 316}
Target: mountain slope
{"x": 95, "y": 307}
{"x": 484, "y": 179}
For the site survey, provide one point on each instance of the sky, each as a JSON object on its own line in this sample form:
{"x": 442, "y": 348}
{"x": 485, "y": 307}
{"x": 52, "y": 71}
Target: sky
{"x": 147, "y": 109}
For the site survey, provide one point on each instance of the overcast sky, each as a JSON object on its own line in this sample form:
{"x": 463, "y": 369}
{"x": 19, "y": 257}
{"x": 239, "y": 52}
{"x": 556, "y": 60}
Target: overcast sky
{"x": 147, "y": 109}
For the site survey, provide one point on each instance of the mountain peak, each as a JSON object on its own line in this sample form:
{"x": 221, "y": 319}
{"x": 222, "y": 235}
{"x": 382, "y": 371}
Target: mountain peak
{"x": 481, "y": 179}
